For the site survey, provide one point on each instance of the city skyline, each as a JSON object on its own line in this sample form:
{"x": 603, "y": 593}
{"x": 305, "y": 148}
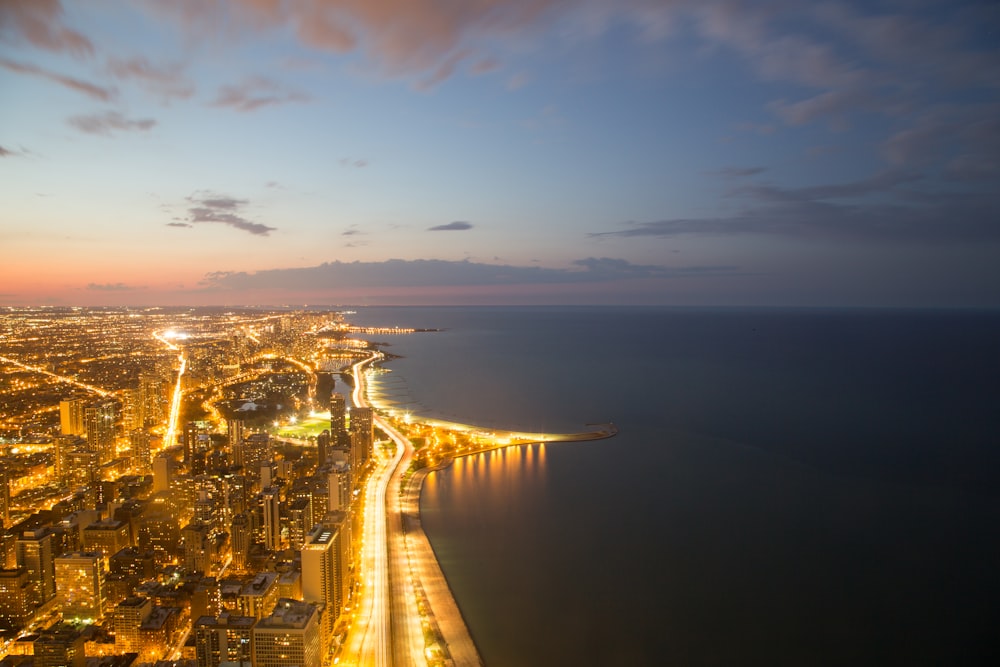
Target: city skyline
{"x": 640, "y": 152}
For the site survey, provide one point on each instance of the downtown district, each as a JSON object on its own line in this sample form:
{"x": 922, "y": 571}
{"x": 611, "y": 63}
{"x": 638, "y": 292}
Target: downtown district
{"x": 180, "y": 485}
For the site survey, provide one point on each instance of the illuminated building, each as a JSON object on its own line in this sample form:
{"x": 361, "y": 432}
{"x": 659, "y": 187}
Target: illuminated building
{"x": 99, "y": 419}
{"x": 79, "y": 581}
{"x": 16, "y": 598}
{"x": 340, "y": 485}
{"x": 83, "y": 468}
{"x": 270, "y": 503}
{"x": 4, "y": 499}
{"x": 106, "y": 537}
{"x": 71, "y": 416}
{"x": 161, "y": 474}
{"x": 235, "y": 428}
{"x": 325, "y": 578}
{"x": 322, "y": 444}
{"x": 152, "y": 391}
{"x": 240, "y": 539}
{"x": 255, "y": 449}
{"x": 226, "y": 639}
{"x": 60, "y": 646}
{"x": 64, "y": 445}
{"x": 300, "y": 521}
{"x": 129, "y": 616}
{"x": 362, "y": 432}
{"x": 338, "y": 421}
{"x": 289, "y": 636}
{"x": 258, "y": 597}
{"x": 139, "y": 448}
{"x": 34, "y": 553}
{"x": 197, "y": 549}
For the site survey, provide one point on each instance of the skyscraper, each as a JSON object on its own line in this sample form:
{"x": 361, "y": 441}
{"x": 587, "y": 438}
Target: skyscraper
{"x": 338, "y": 421}
{"x": 71, "y": 416}
{"x": 270, "y": 502}
{"x": 362, "y": 431}
{"x": 100, "y": 420}
{"x": 35, "y": 554}
{"x": 79, "y": 581}
{"x": 325, "y": 576}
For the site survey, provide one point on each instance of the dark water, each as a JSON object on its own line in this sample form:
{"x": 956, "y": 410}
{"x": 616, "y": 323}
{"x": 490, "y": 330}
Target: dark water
{"x": 788, "y": 487}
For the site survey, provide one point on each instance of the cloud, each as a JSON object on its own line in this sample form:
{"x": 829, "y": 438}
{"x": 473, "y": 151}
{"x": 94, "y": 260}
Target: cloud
{"x": 456, "y": 226}
{"x": 6, "y": 152}
{"x": 360, "y": 163}
{"x": 113, "y": 287}
{"x": 255, "y": 93}
{"x": 224, "y": 210}
{"x": 89, "y": 89}
{"x": 435, "y": 273}
{"x": 401, "y": 37}
{"x": 876, "y": 209}
{"x": 40, "y": 23}
{"x": 740, "y": 172}
{"x": 167, "y": 82}
{"x": 105, "y": 123}
{"x": 179, "y": 224}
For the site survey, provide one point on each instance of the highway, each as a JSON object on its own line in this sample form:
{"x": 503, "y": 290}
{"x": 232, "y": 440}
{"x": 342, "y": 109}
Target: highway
{"x": 387, "y": 627}
{"x": 370, "y": 641}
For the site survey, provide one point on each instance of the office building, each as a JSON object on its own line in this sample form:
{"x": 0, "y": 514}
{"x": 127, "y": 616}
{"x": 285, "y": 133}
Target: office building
{"x": 226, "y": 639}
{"x": 79, "y": 582}
{"x": 100, "y": 420}
{"x": 34, "y": 552}
{"x": 129, "y": 615}
{"x": 325, "y": 576}
{"x": 16, "y": 598}
{"x": 289, "y": 636}
{"x": 71, "y": 416}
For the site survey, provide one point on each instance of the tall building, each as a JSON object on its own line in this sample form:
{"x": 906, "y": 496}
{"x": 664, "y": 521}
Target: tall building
{"x": 226, "y": 639}
{"x": 363, "y": 432}
{"x": 289, "y": 636}
{"x": 340, "y": 486}
{"x": 325, "y": 577}
{"x": 152, "y": 391}
{"x": 240, "y": 539}
{"x": 129, "y": 616}
{"x": 79, "y": 582}
{"x": 4, "y": 499}
{"x": 34, "y": 551}
{"x": 16, "y": 598}
{"x": 140, "y": 453}
{"x": 255, "y": 449}
{"x": 71, "y": 416}
{"x": 300, "y": 521}
{"x": 338, "y": 421}
{"x": 322, "y": 445}
{"x": 197, "y": 551}
{"x": 161, "y": 474}
{"x": 235, "y": 428}
{"x": 270, "y": 502}
{"x": 100, "y": 419}
{"x": 64, "y": 445}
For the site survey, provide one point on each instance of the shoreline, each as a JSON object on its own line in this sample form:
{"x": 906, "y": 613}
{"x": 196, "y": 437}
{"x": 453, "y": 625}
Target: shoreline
{"x": 446, "y": 634}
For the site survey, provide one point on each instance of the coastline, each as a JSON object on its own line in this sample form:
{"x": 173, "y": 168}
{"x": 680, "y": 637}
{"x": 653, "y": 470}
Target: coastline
{"x": 422, "y": 586}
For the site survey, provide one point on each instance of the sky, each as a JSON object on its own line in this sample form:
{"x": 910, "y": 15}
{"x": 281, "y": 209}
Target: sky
{"x": 674, "y": 152}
